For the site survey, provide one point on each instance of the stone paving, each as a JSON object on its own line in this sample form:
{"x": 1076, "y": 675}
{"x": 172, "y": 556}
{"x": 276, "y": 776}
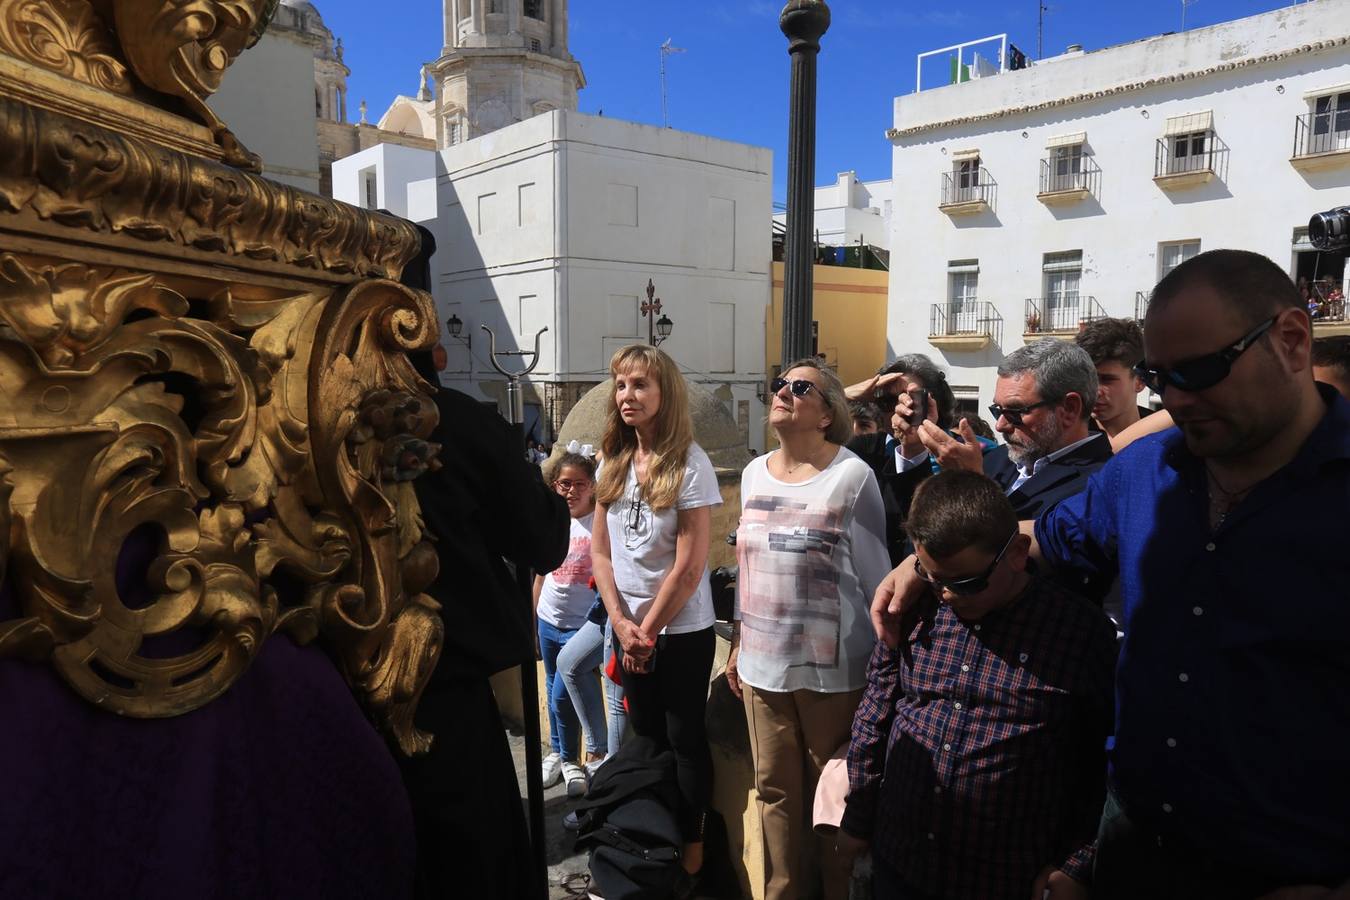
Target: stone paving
{"x": 562, "y": 859}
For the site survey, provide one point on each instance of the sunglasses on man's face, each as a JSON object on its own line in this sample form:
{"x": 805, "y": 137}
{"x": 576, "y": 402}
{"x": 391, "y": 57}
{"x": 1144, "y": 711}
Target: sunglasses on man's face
{"x": 1014, "y": 414}
{"x": 964, "y": 587}
{"x": 800, "y": 387}
{"x": 1202, "y": 372}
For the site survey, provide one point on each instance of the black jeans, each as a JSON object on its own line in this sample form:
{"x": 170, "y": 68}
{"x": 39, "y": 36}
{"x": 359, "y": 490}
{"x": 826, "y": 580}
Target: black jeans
{"x": 668, "y": 705}
{"x": 1134, "y": 862}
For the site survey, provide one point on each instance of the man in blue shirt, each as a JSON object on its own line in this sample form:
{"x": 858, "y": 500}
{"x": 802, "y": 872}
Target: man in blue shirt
{"x": 1227, "y": 770}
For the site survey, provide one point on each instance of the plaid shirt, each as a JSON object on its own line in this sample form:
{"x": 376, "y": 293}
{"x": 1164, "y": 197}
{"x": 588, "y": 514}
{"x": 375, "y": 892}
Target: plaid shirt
{"x": 978, "y": 752}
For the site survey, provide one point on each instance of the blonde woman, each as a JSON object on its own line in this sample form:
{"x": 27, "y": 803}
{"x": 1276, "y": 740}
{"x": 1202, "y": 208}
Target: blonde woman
{"x": 654, "y": 498}
{"x": 812, "y": 550}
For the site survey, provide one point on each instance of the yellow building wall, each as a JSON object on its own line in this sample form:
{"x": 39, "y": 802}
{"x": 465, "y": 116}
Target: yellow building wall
{"x": 850, "y": 305}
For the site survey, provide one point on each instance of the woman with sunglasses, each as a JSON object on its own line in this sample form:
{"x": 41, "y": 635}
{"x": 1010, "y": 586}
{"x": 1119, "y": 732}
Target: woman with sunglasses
{"x": 654, "y": 502}
{"x": 812, "y": 548}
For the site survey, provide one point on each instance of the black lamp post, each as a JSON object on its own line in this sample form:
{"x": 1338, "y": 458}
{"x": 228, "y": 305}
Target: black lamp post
{"x": 657, "y": 329}
{"x": 803, "y": 21}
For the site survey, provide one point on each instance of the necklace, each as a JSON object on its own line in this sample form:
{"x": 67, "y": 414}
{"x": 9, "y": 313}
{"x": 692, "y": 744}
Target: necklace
{"x": 1220, "y": 507}
{"x": 790, "y": 469}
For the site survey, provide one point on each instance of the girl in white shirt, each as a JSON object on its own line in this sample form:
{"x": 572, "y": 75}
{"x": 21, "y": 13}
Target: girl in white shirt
{"x": 812, "y": 549}
{"x": 561, "y": 600}
{"x": 650, "y": 549}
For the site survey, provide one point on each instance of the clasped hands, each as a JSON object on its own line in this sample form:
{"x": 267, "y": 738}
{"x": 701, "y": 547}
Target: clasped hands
{"x": 638, "y": 647}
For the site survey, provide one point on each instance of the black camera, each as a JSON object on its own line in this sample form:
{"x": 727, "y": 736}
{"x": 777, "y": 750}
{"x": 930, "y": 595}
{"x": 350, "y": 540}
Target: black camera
{"x": 1330, "y": 230}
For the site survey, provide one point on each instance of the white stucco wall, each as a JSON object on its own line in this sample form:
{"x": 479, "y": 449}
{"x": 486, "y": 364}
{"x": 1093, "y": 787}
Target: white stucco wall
{"x": 1253, "y": 77}
{"x": 849, "y": 210}
{"x": 268, "y": 101}
{"x": 394, "y": 168}
{"x": 561, "y": 219}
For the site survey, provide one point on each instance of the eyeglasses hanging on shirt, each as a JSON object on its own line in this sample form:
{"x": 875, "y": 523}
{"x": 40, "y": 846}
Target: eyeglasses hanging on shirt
{"x": 637, "y": 521}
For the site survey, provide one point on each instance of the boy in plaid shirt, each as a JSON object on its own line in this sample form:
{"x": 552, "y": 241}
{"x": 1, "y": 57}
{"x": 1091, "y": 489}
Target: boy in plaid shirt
{"x": 977, "y": 760}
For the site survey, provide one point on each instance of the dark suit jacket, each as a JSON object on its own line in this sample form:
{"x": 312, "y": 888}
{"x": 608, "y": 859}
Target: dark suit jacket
{"x": 897, "y": 488}
{"x": 1058, "y": 479}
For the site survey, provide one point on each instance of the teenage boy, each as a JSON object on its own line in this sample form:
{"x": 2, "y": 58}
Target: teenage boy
{"x": 1116, "y": 347}
{"x": 977, "y": 760}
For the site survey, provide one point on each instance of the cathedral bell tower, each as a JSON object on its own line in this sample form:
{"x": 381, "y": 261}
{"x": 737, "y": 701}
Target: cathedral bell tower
{"x": 503, "y": 61}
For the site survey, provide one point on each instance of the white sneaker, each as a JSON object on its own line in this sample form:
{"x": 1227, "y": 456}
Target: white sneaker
{"x": 575, "y": 777}
{"x": 593, "y": 766}
{"x": 553, "y": 764}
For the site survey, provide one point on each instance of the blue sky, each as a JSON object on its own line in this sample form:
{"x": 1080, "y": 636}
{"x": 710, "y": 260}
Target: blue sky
{"x": 733, "y": 81}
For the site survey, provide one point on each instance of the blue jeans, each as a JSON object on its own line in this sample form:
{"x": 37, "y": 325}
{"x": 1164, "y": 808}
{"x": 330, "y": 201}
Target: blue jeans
{"x": 562, "y": 718}
{"x": 576, "y": 670}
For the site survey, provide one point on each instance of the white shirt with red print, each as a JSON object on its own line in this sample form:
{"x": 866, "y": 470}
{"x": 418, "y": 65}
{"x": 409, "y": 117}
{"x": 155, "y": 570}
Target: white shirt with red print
{"x": 567, "y": 596}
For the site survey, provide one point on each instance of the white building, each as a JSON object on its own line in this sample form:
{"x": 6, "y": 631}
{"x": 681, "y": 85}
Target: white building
{"x": 850, "y": 211}
{"x": 1034, "y": 199}
{"x": 559, "y": 221}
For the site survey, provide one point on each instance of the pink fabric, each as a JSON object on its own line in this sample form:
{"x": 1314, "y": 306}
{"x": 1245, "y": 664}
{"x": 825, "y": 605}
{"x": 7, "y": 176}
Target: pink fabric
{"x": 830, "y": 792}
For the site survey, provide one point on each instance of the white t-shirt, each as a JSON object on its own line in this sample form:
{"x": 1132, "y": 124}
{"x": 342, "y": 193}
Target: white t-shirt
{"x": 566, "y": 596}
{"x": 642, "y": 543}
{"x": 811, "y": 556}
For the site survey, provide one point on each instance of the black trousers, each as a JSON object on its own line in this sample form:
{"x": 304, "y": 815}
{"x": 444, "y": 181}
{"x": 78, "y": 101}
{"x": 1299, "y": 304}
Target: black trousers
{"x": 1134, "y": 862}
{"x": 471, "y": 835}
{"x": 668, "y": 704}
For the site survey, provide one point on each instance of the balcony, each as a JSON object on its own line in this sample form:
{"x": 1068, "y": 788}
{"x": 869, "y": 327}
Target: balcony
{"x": 1321, "y": 140}
{"x": 1059, "y": 316}
{"x": 1175, "y": 169}
{"x": 1060, "y": 187}
{"x": 1140, "y": 305}
{"x": 964, "y": 325}
{"x": 967, "y": 194}
{"x": 1328, "y": 313}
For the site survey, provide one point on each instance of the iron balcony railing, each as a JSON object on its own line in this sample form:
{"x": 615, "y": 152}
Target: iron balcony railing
{"x": 1051, "y": 315}
{"x": 1140, "y": 305}
{"x": 967, "y": 187}
{"x": 1324, "y": 132}
{"x": 1170, "y": 159}
{"x": 1081, "y": 173}
{"x": 956, "y": 318}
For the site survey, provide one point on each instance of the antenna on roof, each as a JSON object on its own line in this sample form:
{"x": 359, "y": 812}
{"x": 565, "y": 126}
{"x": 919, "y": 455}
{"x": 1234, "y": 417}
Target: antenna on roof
{"x": 1184, "y": 4}
{"x": 666, "y": 50}
{"x": 1041, "y": 10}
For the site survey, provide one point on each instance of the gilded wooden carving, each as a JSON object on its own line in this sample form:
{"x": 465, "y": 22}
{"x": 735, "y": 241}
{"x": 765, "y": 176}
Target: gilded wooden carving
{"x": 208, "y": 422}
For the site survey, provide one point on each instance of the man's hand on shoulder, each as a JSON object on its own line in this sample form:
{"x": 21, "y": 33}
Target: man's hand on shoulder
{"x": 896, "y": 593}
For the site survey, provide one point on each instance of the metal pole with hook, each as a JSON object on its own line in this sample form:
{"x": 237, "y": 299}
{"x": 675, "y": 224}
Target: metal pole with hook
{"x": 529, "y": 689}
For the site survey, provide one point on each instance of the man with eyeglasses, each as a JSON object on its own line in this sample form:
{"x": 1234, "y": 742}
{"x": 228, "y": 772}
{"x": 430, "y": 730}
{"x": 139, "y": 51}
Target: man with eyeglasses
{"x": 1042, "y": 408}
{"x": 1227, "y": 771}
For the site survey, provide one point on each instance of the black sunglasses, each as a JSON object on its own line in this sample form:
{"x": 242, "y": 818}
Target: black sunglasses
{"x": 800, "y": 387}
{"x": 1202, "y": 372}
{"x": 965, "y": 586}
{"x": 1014, "y": 414}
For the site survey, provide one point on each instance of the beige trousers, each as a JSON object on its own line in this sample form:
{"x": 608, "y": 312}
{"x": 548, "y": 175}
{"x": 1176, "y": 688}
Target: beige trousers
{"x": 792, "y": 735}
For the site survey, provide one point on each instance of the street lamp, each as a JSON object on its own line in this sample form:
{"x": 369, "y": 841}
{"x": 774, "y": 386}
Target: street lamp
{"x": 456, "y": 329}
{"x": 657, "y": 329}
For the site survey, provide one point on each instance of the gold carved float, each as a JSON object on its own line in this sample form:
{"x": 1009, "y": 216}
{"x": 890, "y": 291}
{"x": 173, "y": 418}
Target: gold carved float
{"x": 204, "y": 386}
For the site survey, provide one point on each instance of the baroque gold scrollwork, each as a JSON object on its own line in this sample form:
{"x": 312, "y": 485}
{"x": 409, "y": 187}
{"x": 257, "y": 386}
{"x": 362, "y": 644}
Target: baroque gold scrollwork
{"x": 66, "y": 36}
{"x": 370, "y": 416}
{"x": 185, "y": 473}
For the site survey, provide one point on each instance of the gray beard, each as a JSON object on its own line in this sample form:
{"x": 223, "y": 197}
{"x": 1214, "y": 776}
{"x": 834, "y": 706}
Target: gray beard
{"x": 1043, "y": 444}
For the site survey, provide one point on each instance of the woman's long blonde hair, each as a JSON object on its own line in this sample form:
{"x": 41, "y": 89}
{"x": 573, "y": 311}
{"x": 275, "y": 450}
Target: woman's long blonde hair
{"x": 673, "y": 427}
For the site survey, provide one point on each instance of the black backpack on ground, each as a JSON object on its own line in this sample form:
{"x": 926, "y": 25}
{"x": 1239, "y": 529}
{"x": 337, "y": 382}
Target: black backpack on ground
{"x": 628, "y": 824}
